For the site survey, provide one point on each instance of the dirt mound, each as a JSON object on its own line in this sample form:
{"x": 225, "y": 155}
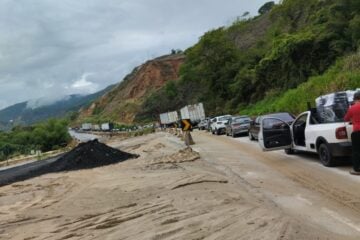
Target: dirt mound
{"x": 90, "y": 155}
{"x": 86, "y": 155}
{"x": 184, "y": 155}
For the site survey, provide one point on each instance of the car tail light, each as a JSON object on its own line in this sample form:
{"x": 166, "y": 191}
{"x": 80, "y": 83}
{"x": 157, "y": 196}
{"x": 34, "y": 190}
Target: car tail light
{"x": 341, "y": 133}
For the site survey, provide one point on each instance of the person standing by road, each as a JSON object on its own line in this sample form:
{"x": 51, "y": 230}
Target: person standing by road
{"x": 353, "y": 114}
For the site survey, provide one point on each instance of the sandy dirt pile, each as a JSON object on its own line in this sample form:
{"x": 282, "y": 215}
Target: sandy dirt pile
{"x": 183, "y": 197}
{"x": 183, "y": 155}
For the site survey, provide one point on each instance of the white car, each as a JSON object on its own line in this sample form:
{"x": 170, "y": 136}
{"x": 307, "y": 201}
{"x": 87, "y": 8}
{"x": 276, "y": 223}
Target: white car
{"x": 329, "y": 140}
{"x": 218, "y": 124}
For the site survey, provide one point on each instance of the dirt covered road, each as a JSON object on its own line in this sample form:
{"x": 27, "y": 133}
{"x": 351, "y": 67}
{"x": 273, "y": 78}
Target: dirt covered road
{"x": 229, "y": 190}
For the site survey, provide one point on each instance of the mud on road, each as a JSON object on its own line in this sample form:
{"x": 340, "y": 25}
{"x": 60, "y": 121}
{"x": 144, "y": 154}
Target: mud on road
{"x": 219, "y": 191}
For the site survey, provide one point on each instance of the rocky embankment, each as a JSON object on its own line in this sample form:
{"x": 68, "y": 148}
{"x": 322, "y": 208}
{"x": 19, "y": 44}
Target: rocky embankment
{"x": 123, "y": 102}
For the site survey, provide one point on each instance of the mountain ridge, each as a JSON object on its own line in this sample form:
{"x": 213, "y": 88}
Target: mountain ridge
{"x": 23, "y": 114}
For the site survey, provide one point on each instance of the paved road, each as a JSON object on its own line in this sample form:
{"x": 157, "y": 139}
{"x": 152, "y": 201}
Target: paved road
{"x": 9, "y": 174}
{"x": 299, "y": 184}
{"x": 82, "y": 137}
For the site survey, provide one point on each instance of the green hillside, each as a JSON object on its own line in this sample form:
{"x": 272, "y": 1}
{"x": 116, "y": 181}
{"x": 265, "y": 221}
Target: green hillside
{"x": 345, "y": 74}
{"x": 278, "y": 60}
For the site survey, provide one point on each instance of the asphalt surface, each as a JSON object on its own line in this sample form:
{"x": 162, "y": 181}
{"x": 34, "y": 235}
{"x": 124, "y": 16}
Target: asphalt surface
{"x": 8, "y": 174}
{"x": 82, "y": 137}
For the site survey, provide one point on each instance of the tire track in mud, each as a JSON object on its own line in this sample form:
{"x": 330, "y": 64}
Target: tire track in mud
{"x": 315, "y": 181}
{"x": 324, "y": 182}
{"x": 154, "y": 208}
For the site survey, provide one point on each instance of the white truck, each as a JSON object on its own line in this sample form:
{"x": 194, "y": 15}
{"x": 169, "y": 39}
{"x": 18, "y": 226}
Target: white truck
{"x": 195, "y": 113}
{"x": 164, "y": 118}
{"x": 96, "y": 127}
{"x": 173, "y": 117}
{"x": 107, "y": 127}
{"x": 309, "y": 133}
{"x": 86, "y": 126}
{"x": 169, "y": 118}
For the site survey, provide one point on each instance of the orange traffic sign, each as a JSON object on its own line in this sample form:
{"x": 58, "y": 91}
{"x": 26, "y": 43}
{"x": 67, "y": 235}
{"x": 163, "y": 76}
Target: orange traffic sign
{"x": 186, "y": 125}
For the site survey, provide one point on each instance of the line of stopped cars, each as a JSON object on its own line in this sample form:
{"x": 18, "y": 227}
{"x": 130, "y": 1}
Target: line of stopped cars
{"x": 321, "y": 130}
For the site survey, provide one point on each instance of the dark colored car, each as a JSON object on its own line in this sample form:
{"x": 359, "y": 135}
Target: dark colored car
{"x": 237, "y": 125}
{"x": 255, "y": 125}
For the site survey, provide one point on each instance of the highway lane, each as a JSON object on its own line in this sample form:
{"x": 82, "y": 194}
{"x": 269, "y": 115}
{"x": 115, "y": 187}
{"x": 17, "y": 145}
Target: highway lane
{"x": 299, "y": 184}
{"x": 11, "y": 173}
{"x": 82, "y": 137}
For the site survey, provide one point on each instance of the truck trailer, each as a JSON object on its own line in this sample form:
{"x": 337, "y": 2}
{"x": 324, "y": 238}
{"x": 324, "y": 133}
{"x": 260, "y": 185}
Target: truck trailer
{"x": 194, "y": 112}
{"x": 169, "y": 118}
{"x": 86, "y": 126}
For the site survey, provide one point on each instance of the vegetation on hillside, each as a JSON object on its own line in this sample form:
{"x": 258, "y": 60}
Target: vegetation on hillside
{"x": 302, "y": 40}
{"x": 345, "y": 74}
{"x": 50, "y": 135}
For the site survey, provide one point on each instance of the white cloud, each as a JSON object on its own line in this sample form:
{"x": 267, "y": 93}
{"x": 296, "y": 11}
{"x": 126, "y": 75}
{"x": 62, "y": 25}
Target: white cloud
{"x": 44, "y": 101}
{"x": 45, "y": 46}
{"x": 84, "y": 85}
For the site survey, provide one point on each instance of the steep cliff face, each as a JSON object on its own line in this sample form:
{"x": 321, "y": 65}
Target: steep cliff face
{"x": 123, "y": 102}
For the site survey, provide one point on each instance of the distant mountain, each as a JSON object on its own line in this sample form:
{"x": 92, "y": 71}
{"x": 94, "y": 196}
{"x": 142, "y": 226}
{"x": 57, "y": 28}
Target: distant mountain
{"x": 37, "y": 110}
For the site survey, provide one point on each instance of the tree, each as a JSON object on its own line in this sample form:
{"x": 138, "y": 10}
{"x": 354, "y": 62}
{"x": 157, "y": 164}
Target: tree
{"x": 266, "y": 7}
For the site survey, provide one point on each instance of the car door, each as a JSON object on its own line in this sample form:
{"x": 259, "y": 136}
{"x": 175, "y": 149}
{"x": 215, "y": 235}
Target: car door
{"x": 274, "y": 134}
{"x": 227, "y": 126}
{"x": 256, "y": 127}
{"x": 212, "y": 125}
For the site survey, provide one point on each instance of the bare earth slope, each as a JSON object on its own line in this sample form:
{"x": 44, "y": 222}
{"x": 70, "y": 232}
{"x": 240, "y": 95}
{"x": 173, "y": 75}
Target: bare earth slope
{"x": 123, "y": 102}
{"x": 168, "y": 193}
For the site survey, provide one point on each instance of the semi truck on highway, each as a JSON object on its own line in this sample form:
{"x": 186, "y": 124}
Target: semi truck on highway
{"x": 194, "y": 112}
{"x": 321, "y": 130}
{"x": 86, "y": 126}
{"x": 169, "y": 118}
{"x": 107, "y": 127}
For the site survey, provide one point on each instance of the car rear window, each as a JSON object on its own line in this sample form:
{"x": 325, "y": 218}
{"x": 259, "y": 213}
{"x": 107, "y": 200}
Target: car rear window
{"x": 242, "y": 120}
{"x": 286, "y": 117}
{"x": 224, "y": 118}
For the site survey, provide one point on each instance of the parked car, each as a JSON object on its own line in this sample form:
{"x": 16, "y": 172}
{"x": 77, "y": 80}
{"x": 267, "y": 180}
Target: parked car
{"x": 237, "y": 125}
{"x": 329, "y": 140}
{"x": 203, "y": 124}
{"x": 218, "y": 124}
{"x": 255, "y": 125}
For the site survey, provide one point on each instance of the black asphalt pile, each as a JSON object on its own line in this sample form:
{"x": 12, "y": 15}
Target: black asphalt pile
{"x": 87, "y": 155}
{"x": 90, "y": 155}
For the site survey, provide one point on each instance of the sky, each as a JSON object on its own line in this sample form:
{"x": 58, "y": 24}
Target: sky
{"x": 49, "y": 49}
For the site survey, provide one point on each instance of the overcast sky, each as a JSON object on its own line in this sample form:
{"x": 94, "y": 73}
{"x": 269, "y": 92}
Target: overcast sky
{"x": 52, "y": 48}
